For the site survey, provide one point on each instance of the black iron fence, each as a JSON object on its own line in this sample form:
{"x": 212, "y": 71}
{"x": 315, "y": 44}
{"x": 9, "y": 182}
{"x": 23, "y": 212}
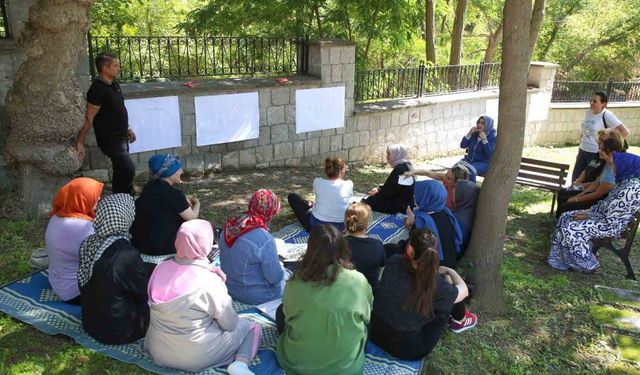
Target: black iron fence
{"x": 174, "y": 57}
{"x": 580, "y": 91}
{"x": 424, "y": 80}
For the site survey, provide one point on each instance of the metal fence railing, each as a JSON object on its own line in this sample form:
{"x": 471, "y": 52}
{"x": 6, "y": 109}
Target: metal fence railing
{"x": 380, "y": 84}
{"x": 176, "y": 57}
{"x": 4, "y": 26}
{"x": 580, "y": 91}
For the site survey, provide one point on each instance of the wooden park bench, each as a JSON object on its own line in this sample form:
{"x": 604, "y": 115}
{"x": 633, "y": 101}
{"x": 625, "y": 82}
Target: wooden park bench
{"x": 543, "y": 175}
{"x": 627, "y": 238}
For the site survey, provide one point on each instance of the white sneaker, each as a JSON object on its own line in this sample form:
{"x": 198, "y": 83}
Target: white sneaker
{"x": 239, "y": 368}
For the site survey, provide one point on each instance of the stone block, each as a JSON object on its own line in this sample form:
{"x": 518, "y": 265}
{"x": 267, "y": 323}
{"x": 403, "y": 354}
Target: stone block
{"x": 348, "y": 72}
{"x": 188, "y": 124}
{"x": 414, "y": 115}
{"x": 98, "y": 160}
{"x": 403, "y": 117}
{"x": 395, "y": 118}
{"x": 213, "y": 162}
{"x": 143, "y": 157}
{"x": 350, "y": 124}
{"x": 280, "y": 96}
{"x": 348, "y": 55}
{"x": 101, "y": 175}
{"x": 290, "y": 114}
{"x": 194, "y": 164}
{"x": 311, "y": 147}
{"x": 385, "y": 120}
{"x": 334, "y": 55}
{"x": 199, "y": 149}
{"x": 295, "y": 162}
{"x": 356, "y": 154}
{"x": 325, "y": 145}
{"x": 220, "y": 148}
{"x": 186, "y": 105}
{"x": 374, "y": 122}
{"x": 264, "y": 96}
{"x": 314, "y": 134}
{"x": 264, "y": 154}
{"x": 336, "y": 73}
{"x": 292, "y": 96}
{"x": 348, "y": 107}
{"x": 298, "y": 149}
{"x": 185, "y": 148}
{"x": 364, "y": 138}
{"x": 363, "y": 122}
{"x": 282, "y": 150}
{"x": 350, "y": 140}
{"x": 328, "y": 132}
{"x": 325, "y": 72}
{"x": 264, "y": 137}
{"x": 247, "y": 158}
{"x": 251, "y": 143}
{"x": 279, "y": 133}
{"x": 235, "y": 146}
{"x": 342, "y": 154}
{"x": 275, "y": 115}
{"x": 425, "y": 114}
{"x": 276, "y": 164}
{"x": 349, "y": 89}
{"x": 231, "y": 160}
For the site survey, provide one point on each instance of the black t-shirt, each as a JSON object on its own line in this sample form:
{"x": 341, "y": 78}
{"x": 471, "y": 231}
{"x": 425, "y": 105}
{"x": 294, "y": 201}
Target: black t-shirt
{"x": 446, "y": 238}
{"x": 111, "y": 123}
{"x": 367, "y": 255}
{"x": 158, "y": 218}
{"x": 406, "y": 334}
{"x": 593, "y": 170}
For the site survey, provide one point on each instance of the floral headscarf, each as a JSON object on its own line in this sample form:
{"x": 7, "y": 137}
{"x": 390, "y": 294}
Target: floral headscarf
{"x": 264, "y": 205}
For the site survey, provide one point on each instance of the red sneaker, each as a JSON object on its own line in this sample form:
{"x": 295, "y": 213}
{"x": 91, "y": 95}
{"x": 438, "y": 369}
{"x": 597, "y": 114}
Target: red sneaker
{"x": 469, "y": 321}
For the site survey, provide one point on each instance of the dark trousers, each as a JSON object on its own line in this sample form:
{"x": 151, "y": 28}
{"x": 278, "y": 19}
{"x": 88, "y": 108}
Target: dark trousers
{"x": 123, "y": 174}
{"x": 582, "y": 160}
{"x": 301, "y": 209}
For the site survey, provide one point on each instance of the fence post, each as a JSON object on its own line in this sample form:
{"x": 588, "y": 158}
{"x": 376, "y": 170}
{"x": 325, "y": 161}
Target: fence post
{"x": 609, "y": 87}
{"x": 480, "y": 75}
{"x": 420, "y": 78}
{"x": 92, "y": 68}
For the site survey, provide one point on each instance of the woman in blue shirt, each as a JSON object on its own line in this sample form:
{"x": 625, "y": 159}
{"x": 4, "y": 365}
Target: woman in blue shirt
{"x": 480, "y": 144}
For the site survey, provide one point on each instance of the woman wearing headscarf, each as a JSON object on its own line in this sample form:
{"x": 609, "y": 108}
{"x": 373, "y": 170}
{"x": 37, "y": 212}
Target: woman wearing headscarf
{"x": 193, "y": 323}
{"x": 480, "y": 144}
{"x": 571, "y": 242}
{"x": 161, "y": 207}
{"x": 432, "y": 213}
{"x": 392, "y": 197}
{"x": 248, "y": 254}
{"x": 71, "y": 222}
{"x": 466, "y": 198}
{"x": 449, "y": 179}
{"x": 112, "y": 276}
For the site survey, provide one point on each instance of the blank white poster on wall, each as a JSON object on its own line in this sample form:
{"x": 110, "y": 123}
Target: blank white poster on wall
{"x": 227, "y": 118}
{"x": 156, "y": 122}
{"x": 318, "y": 109}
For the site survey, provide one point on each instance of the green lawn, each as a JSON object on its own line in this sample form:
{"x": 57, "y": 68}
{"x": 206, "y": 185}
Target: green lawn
{"x": 549, "y": 329}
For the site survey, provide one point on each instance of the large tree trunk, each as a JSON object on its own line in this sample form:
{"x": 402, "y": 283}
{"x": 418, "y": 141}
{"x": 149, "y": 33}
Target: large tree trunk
{"x": 536, "y": 21}
{"x": 45, "y": 104}
{"x": 487, "y": 239}
{"x": 456, "y": 35}
{"x": 430, "y": 31}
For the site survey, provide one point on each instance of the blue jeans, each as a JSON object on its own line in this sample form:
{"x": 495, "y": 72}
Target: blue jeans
{"x": 582, "y": 160}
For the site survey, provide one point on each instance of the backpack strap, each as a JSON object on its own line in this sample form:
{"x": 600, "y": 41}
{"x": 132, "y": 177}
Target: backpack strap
{"x": 603, "y": 120}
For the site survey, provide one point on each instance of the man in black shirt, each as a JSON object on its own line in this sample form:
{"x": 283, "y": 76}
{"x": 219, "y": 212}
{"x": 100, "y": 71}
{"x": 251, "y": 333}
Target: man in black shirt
{"x": 108, "y": 116}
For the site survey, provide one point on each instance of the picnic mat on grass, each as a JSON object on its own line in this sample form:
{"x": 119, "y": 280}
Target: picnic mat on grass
{"x": 32, "y": 301}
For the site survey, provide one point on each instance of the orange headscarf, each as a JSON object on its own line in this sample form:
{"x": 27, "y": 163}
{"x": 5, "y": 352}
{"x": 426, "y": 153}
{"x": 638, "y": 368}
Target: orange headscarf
{"x": 77, "y": 199}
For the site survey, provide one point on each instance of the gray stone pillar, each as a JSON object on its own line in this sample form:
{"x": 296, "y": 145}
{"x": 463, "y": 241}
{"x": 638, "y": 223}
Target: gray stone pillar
{"x": 541, "y": 76}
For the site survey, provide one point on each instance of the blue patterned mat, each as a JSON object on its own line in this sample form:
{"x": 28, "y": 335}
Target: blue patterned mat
{"x": 32, "y": 301}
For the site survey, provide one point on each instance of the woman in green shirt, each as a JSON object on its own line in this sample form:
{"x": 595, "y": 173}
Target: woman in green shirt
{"x": 326, "y": 306}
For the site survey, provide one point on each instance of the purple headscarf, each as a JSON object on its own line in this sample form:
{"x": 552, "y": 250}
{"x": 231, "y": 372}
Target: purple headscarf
{"x": 627, "y": 166}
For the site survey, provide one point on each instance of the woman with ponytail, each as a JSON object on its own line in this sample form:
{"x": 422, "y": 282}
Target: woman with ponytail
{"x": 415, "y": 300}
{"x": 332, "y": 196}
{"x": 367, "y": 254}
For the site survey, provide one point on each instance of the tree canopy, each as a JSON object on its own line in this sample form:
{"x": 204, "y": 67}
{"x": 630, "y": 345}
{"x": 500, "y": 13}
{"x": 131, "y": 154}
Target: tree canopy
{"x": 590, "y": 39}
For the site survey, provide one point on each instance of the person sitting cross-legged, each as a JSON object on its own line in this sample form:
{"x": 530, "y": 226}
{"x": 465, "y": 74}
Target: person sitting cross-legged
{"x": 193, "y": 323}
{"x": 416, "y": 299}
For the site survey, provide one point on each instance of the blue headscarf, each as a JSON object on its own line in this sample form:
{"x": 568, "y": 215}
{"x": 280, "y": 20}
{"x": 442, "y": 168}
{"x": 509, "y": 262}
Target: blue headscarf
{"x": 431, "y": 196}
{"x": 627, "y": 166}
{"x": 489, "y": 127}
{"x": 163, "y": 165}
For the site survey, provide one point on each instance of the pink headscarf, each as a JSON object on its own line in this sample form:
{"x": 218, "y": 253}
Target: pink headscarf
{"x": 398, "y": 154}
{"x": 190, "y": 270}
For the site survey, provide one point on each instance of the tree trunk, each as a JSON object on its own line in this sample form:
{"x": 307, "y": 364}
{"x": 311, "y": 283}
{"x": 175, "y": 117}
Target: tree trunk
{"x": 430, "y": 31}
{"x": 487, "y": 239}
{"x": 492, "y": 45}
{"x": 456, "y": 34}
{"x": 536, "y": 21}
{"x": 45, "y": 104}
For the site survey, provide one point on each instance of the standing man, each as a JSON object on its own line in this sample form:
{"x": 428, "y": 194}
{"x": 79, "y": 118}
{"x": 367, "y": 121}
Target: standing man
{"x": 108, "y": 116}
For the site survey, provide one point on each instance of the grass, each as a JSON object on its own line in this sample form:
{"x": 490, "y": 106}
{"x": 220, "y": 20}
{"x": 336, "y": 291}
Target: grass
{"x": 549, "y": 328}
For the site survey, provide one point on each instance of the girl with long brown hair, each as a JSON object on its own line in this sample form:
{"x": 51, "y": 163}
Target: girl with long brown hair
{"x": 415, "y": 299}
{"x": 325, "y": 311}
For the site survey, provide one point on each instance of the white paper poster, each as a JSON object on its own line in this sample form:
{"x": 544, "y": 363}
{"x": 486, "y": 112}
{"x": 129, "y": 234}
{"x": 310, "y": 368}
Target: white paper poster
{"x": 227, "y": 118}
{"x": 156, "y": 122}
{"x": 318, "y": 109}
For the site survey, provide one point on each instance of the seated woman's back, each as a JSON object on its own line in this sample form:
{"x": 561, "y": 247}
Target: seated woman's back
{"x": 326, "y": 309}
{"x": 367, "y": 254}
{"x": 248, "y": 254}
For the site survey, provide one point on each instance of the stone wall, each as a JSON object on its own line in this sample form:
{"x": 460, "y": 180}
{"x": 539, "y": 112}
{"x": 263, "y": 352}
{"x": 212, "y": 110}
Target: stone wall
{"x": 565, "y": 120}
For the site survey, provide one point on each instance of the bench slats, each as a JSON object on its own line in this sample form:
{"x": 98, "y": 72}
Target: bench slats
{"x": 544, "y": 163}
{"x": 553, "y": 172}
{"x": 536, "y": 177}
{"x": 542, "y": 174}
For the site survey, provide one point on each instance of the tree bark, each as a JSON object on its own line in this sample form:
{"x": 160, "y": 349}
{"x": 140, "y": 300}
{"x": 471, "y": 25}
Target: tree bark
{"x": 456, "y": 34}
{"x": 536, "y": 21}
{"x": 430, "y": 31}
{"x": 487, "y": 239}
{"x": 45, "y": 104}
{"x": 492, "y": 45}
